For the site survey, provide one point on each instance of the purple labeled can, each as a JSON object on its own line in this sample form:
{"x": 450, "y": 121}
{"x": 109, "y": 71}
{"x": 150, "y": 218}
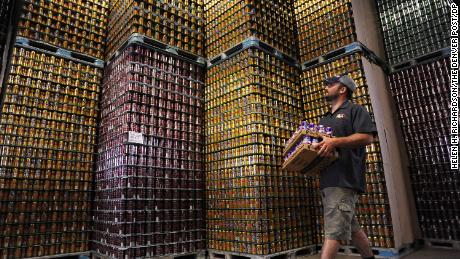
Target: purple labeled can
{"x": 329, "y": 131}
{"x": 321, "y": 129}
{"x": 312, "y": 127}
{"x": 303, "y": 125}
{"x": 307, "y": 140}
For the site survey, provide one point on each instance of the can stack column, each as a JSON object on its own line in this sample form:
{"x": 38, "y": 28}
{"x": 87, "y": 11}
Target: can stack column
{"x": 252, "y": 108}
{"x": 149, "y": 188}
{"x": 230, "y": 23}
{"x": 48, "y": 129}
{"x": 149, "y": 183}
{"x": 422, "y": 94}
{"x": 179, "y": 24}
{"x": 417, "y": 39}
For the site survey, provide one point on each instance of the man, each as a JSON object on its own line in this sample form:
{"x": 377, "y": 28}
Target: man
{"x": 344, "y": 180}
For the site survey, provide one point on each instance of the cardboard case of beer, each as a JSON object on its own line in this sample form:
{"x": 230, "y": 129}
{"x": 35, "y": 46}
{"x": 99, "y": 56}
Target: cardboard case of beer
{"x": 301, "y": 157}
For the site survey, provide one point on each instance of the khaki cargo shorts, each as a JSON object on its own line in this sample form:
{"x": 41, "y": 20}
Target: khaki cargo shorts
{"x": 339, "y": 213}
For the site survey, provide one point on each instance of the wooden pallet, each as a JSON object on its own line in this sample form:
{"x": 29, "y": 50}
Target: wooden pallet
{"x": 82, "y": 255}
{"x": 290, "y": 254}
{"x": 425, "y": 58}
{"x": 95, "y": 255}
{"x": 147, "y": 42}
{"x": 192, "y": 255}
{"x": 60, "y": 52}
{"x": 387, "y": 253}
{"x": 195, "y": 255}
{"x": 345, "y": 51}
{"x": 251, "y": 42}
{"x": 439, "y": 243}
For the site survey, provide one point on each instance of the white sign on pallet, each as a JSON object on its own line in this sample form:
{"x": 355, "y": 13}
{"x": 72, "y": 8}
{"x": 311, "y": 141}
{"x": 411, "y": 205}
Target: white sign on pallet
{"x": 135, "y": 137}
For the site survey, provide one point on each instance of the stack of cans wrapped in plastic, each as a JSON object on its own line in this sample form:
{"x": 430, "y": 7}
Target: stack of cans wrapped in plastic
{"x": 422, "y": 96}
{"x": 253, "y": 207}
{"x": 48, "y": 137}
{"x": 48, "y": 129}
{"x": 414, "y": 28}
{"x": 231, "y": 22}
{"x": 149, "y": 197}
{"x": 417, "y": 40}
{"x": 76, "y": 25}
{"x": 323, "y": 26}
{"x": 176, "y": 23}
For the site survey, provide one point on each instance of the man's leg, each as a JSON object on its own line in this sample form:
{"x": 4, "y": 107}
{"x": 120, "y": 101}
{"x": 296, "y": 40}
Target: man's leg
{"x": 330, "y": 249}
{"x": 338, "y": 205}
{"x": 361, "y": 242}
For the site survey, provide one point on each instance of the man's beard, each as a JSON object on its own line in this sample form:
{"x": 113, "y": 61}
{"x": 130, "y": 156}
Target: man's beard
{"x": 332, "y": 98}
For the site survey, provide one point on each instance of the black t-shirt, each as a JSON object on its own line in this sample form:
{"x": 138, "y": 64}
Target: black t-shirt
{"x": 349, "y": 169}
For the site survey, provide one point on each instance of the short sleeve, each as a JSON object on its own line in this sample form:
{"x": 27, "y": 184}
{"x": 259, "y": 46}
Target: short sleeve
{"x": 362, "y": 122}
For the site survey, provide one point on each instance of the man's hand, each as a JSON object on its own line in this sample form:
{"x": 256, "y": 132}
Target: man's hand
{"x": 326, "y": 147}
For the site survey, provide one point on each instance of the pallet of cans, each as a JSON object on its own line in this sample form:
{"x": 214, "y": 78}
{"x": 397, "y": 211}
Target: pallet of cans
{"x": 177, "y": 23}
{"x": 231, "y": 22}
{"x": 252, "y": 108}
{"x": 149, "y": 187}
{"x": 422, "y": 95}
{"x": 47, "y": 150}
{"x": 377, "y": 209}
{"x": 413, "y": 27}
{"x": 327, "y": 26}
{"x": 75, "y": 25}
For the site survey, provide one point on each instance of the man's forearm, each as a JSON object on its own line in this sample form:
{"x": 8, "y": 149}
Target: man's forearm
{"x": 354, "y": 141}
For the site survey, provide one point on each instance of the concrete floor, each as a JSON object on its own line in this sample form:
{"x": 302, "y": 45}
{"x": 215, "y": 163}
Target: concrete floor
{"x": 424, "y": 253}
